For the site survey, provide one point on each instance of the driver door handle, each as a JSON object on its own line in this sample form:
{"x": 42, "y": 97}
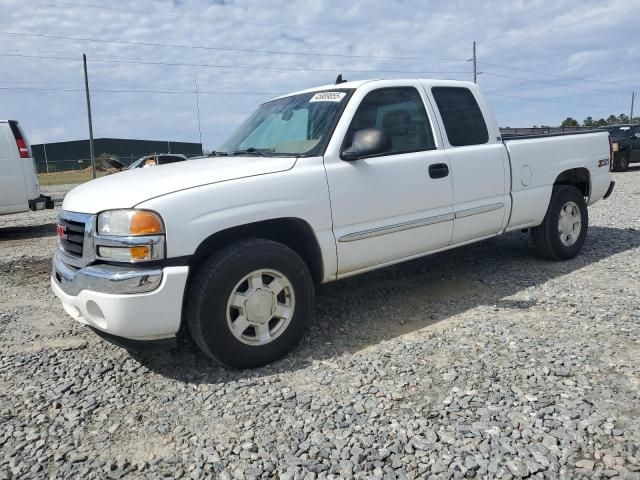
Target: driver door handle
{"x": 438, "y": 170}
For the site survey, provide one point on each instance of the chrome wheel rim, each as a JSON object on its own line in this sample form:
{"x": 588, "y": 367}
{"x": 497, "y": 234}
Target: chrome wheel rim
{"x": 569, "y": 224}
{"x": 260, "y": 307}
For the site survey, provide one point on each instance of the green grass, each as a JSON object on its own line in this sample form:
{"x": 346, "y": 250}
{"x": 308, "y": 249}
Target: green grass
{"x": 71, "y": 177}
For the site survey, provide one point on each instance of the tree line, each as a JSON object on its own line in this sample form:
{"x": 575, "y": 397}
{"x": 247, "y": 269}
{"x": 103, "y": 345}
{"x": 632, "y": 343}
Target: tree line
{"x": 590, "y": 122}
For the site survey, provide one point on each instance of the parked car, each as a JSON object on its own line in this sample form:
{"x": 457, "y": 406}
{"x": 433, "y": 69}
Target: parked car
{"x": 19, "y": 188}
{"x": 157, "y": 159}
{"x": 625, "y": 143}
{"x": 313, "y": 187}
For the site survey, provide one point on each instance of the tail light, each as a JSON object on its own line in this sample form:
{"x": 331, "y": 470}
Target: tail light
{"x": 21, "y": 142}
{"x": 22, "y": 148}
{"x": 610, "y": 154}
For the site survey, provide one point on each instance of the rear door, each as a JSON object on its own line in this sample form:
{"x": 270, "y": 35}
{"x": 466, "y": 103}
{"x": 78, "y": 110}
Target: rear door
{"x": 479, "y": 164}
{"x": 13, "y": 195}
{"x": 388, "y": 207}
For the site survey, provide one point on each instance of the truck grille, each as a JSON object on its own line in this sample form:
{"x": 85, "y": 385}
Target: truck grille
{"x": 71, "y": 236}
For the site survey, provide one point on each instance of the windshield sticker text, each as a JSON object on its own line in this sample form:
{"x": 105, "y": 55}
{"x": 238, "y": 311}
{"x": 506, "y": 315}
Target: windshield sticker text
{"x": 328, "y": 97}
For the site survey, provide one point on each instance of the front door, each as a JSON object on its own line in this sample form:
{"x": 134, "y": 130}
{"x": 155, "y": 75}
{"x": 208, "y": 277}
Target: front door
{"x": 397, "y": 204}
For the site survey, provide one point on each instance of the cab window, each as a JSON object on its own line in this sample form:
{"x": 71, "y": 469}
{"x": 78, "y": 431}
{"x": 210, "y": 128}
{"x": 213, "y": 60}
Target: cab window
{"x": 461, "y": 115}
{"x": 400, "y": 113}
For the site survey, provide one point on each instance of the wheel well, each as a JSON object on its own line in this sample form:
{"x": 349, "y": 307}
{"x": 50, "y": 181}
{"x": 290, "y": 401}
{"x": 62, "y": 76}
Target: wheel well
{"x": 292, "y": 232}
{"x": 578, "y": 177}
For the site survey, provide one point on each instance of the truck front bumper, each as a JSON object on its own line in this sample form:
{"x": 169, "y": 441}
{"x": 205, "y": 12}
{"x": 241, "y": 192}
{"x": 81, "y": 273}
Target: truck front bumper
{"x": 129, "y": 303}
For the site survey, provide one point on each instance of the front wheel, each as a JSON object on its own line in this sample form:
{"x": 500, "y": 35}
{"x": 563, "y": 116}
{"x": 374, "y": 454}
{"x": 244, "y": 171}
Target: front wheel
{"x": 564, "y": 228}
{"x": 250, "y": 303}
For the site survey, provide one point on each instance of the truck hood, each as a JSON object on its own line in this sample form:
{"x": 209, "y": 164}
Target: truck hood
{"x": 129, "y": 188}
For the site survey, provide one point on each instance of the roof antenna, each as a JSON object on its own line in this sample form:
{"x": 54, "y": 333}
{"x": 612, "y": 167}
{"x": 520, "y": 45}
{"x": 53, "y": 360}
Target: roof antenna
{"x": 339, "y": 80}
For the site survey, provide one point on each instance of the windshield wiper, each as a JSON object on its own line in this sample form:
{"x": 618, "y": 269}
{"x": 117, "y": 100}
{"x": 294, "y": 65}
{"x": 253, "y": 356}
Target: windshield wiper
{"x": 251, "y": 150}
{"x": 218, "y": 154}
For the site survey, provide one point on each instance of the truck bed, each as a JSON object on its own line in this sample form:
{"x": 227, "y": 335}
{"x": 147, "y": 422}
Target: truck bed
{"x": 537, "y": 161}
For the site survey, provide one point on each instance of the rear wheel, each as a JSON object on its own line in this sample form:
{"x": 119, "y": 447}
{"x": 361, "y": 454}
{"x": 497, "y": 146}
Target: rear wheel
{"x": 250, "y": 303}
{"x": 564, "y": 228}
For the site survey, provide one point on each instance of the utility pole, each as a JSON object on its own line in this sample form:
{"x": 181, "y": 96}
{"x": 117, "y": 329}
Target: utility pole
{"x": 198, "y": 112}
{"x": 633, "y": 98}
{"x": 86, "y": 89}
{"x": 475, "y": 64}
{"x": 46, "y": 160}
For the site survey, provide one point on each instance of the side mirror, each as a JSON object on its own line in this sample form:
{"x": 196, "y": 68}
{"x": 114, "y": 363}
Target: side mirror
{"x": 366, "y": 143}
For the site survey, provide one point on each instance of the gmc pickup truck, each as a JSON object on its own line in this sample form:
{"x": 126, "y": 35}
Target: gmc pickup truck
{"x": 313, "y": 187}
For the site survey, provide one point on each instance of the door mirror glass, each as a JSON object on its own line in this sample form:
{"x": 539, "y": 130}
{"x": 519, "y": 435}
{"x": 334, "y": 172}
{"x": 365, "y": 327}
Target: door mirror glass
{"x": 366, "y": 143}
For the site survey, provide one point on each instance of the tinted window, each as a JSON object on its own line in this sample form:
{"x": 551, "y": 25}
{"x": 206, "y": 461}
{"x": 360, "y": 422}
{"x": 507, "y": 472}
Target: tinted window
{"x": 399, "y": 112}
{"x": 170, "y": 159}
{"x": 463, "y": 120}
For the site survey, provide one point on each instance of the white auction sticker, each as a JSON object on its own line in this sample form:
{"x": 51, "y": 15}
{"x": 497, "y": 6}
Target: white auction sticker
{"x": 328, "y": 97}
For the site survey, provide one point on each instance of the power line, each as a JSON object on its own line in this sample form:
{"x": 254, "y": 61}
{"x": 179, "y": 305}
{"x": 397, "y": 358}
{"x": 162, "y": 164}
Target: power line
{"x": 287, "y": 27}
{"x": 493, "y": 74}
{"x": 603, "y": 82}
{"x": 238, "y": 67}
{"x": 223, "y": 49}
{"x": 550, "y": 101}
{"x": 190, "y": 92}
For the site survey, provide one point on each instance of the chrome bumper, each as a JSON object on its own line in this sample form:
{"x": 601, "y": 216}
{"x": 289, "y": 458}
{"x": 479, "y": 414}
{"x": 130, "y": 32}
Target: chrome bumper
{"x": 104, "y": 278}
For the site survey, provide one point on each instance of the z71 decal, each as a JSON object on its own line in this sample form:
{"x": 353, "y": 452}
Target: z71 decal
{"x": 603, "y": 163}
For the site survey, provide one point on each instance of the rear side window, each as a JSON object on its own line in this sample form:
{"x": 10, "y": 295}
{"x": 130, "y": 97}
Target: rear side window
{"x": 463, "y": 120}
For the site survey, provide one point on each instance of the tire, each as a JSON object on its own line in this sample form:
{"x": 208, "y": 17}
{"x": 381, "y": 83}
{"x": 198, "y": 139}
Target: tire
{"x": 622, "y": 162}
{"x": 546, "y": 238}
{"x": 234, "y": 290}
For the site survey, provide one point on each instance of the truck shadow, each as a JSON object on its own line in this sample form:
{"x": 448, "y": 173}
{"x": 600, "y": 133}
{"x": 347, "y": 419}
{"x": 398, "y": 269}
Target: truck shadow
{"x": 362, "y": 311}
{"x": 33, "y": 231}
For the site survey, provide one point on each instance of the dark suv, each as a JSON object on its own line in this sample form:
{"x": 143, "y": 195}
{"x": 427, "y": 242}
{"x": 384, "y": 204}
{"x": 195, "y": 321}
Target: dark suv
{"x": 625, "y": 142}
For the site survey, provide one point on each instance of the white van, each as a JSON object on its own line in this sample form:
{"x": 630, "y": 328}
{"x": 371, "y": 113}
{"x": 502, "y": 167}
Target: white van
{"x": 19, "y": 189}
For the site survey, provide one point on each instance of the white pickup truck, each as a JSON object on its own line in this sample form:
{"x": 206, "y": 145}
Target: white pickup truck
{"x": 313, "y": 187}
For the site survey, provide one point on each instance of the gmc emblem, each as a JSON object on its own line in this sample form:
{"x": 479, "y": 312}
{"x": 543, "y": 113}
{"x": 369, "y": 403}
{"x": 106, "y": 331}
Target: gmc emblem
{"x": 61, "y": 231}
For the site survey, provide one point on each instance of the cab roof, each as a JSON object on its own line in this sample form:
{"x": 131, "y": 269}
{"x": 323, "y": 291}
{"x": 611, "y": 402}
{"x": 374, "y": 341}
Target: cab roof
{"x": 358, "y": 83}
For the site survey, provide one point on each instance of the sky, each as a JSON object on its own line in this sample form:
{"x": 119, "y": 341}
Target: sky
{"x": 541, "y": 61}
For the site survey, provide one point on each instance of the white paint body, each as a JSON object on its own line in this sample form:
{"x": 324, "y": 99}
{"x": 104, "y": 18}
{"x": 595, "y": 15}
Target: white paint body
{"x": 491, "y": 188}
{"x": 18, "y": 176}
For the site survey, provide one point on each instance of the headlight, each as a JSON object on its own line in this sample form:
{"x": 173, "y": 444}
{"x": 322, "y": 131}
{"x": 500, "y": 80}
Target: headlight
{"x": 129, "y": 222}
{"x": 129, "y": 236}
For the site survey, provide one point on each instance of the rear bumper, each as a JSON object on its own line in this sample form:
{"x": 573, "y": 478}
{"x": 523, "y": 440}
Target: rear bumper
{"x": 108, "y": 300}
{"x": 40, "y": 203}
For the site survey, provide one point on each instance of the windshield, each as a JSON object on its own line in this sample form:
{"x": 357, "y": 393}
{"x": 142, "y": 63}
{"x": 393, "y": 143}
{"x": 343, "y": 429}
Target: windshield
{"x": 298, "y": 125}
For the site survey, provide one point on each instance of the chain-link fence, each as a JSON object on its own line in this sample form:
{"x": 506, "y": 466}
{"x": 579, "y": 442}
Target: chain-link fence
{"x": 110, "y": 153}
{"x": 508, "y": 131}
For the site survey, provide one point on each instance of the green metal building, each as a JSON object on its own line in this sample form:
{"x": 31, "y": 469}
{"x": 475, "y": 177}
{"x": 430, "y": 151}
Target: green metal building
{"x": 75, "y": 155}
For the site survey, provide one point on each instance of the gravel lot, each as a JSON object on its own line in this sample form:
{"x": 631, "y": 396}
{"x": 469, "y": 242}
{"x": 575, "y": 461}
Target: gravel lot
{"x": 479, "y": 362}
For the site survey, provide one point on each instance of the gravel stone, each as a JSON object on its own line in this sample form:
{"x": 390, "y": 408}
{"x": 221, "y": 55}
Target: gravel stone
{"x": 481, "y": 362}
